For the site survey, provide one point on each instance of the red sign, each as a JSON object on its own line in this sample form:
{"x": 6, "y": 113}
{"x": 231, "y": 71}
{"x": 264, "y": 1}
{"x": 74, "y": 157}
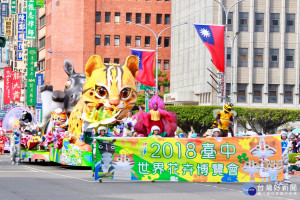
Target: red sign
{"x": 7, "y": 85}
{"x": 16, "y": 86}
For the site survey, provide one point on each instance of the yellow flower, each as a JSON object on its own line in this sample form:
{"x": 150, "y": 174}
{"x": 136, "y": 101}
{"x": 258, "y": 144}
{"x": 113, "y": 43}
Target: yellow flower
{"x": 245, "y": 143}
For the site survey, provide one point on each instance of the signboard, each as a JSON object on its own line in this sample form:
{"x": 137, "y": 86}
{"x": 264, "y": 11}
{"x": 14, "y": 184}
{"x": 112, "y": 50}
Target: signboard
{"x": 39, "y": 83}
{"x": 13, "y": 7}
{"x": 16, "y": 86}
{"x": 24, "y": 6}
{"x": 21, "y": 35}
{"x": 31, "y": 84}
{"x": 39, "y": 3}
{"x": 190, "y": 160}
{"x": 31, "y": 15}
{"x": 7, "y": 85}
{"x": 4, "y": 13}
{"x": 8, "y": 26}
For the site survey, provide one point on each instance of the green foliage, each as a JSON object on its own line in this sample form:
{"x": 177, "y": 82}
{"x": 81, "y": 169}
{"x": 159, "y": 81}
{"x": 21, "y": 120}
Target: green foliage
{"x": 267, "y": 119}
{"x": 292, "y": 158}
{"x": 201, "y": 117}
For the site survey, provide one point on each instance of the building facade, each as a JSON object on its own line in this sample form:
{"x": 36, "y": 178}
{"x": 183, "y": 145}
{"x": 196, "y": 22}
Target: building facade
{"x": 79, "y": 29}
{"x": 265, "y": 54}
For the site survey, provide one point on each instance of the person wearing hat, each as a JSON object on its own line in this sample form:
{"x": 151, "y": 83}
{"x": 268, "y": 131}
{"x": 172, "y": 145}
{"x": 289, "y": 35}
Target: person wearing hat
{"x": 155, "y": 132}
{"x": 296, "y": 166}
{"x": 225, "y": 120}
{"x": 102, "y": 131}
{"x": 216, "y": 132}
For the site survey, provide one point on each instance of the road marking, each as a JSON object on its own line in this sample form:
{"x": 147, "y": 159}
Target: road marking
{"x": 18, "y": 171}
{"x": 71, "y": 177}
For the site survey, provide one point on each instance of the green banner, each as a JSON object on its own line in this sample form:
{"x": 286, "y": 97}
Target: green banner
{"x": 13, "y": 7}
{"x": 39, "y": 3}
{"x": 31, "y": 18}
{"x": 145, "y": 87}
{"x": 147, "y": 109}
{"x": 31, "y": 81}
{"x": 238, "y": 159}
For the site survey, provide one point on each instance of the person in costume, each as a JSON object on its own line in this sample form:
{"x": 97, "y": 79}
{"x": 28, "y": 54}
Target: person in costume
{"x": 154, "y": 132}
{"x": 15, "y": 143}
{"x": 225, "y": 119}
{"x": 285, "y": 156}
{"x": 101, "y": 132}
{"x": 3, "y": 139}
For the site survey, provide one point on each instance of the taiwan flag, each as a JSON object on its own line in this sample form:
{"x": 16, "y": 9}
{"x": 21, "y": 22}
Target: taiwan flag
{"x": 146, "y": 58}
{"x": 213, "y": 38}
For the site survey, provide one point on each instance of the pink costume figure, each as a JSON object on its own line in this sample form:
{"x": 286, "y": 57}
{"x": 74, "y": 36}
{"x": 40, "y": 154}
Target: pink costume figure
{"x": 157, "y": 116}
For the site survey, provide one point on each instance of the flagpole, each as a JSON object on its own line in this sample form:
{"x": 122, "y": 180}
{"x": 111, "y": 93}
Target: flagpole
{"x": 156, "y": 46}
{"x": 225, "y": 44}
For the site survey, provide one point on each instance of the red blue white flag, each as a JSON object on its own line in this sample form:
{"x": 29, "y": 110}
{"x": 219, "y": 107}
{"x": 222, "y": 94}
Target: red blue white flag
{"x": 145, "y": 74}
{"x": 213, "y": 38}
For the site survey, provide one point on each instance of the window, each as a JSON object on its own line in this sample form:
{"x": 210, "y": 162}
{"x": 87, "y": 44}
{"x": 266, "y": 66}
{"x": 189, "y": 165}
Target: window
{"x": 167, "y": 18}
{"x": 116, "y": 60}
{"x": 43, "y": 20}
{"x": 137, "y": 41}
{"x": 97, "y": 40}
{"x": 98, "y": 16}
{"x": 158, "y": 18}
{"x": 128, "y": 40}
{"x": 258, "y": 57}
{"x": 166, "y": 88}
{"x": 159, "y": 64}
{"x": 259, "y": 22}
{"x": 107, "y": 16}
{"x": 129, "y": 17}
{"x": 229, "y": 21}
{"x": 290, "y": 23}
{"x": 138, "y": 18}
{"x": 243, "y": 21}
{"x": 42, "y": 42}
{"x": 147, "y": 41}
{"x": 274, "y": 22}
{"x": 274, "y": 58}
{"x": 117, "y": 17}
{"x": 159, "y": 42}
{"x": 42, "y": 65}
{"x": 106, "y": 60}
{"x": 167, "y": 42}
{"x": 243, "y": 57}
{"x": 257, "y": 93}
{"x": 228, "y": 63}
{"x": 288, "y": 93}
{"x": 166, "y": 64}
{"x": 273, "y": 91}
{"x": 241, "y": 93}
{"x": 289, "y": 58}
{"x": 117, "y": 40}
{"x": 147, "y": 18}
{"x": 228, "y": 90}
{"x": 107, "y": 40}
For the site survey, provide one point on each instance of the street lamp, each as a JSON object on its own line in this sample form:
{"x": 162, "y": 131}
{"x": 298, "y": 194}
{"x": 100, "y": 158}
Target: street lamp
{"x": 156, "y": 45}
{"x": 225, "y": 41}
{"x": 231, "y": 64}
{"x": 59, "y": 54}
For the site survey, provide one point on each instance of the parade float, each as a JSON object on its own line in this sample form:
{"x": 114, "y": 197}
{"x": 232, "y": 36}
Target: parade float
{"x": 107, "y": 92}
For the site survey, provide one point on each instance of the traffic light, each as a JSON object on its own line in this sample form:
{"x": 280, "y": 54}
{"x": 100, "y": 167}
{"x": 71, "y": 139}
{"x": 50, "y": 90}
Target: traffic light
{"x": 2, "y": 41}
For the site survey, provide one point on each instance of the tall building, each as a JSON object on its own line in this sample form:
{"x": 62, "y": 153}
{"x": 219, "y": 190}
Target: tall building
{"x": 265, "y": 55}
{"x": 79, "y": 29}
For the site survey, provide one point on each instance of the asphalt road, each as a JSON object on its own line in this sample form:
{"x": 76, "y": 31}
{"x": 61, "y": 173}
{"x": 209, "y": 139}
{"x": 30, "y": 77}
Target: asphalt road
{"x": 41, "y": 181}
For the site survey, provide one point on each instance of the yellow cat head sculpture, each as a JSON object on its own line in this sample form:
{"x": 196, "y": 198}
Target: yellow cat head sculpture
{"x": 111, "y": 84}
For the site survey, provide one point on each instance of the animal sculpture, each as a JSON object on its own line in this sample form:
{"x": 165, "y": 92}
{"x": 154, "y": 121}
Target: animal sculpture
{"x": 106, "y": 85}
